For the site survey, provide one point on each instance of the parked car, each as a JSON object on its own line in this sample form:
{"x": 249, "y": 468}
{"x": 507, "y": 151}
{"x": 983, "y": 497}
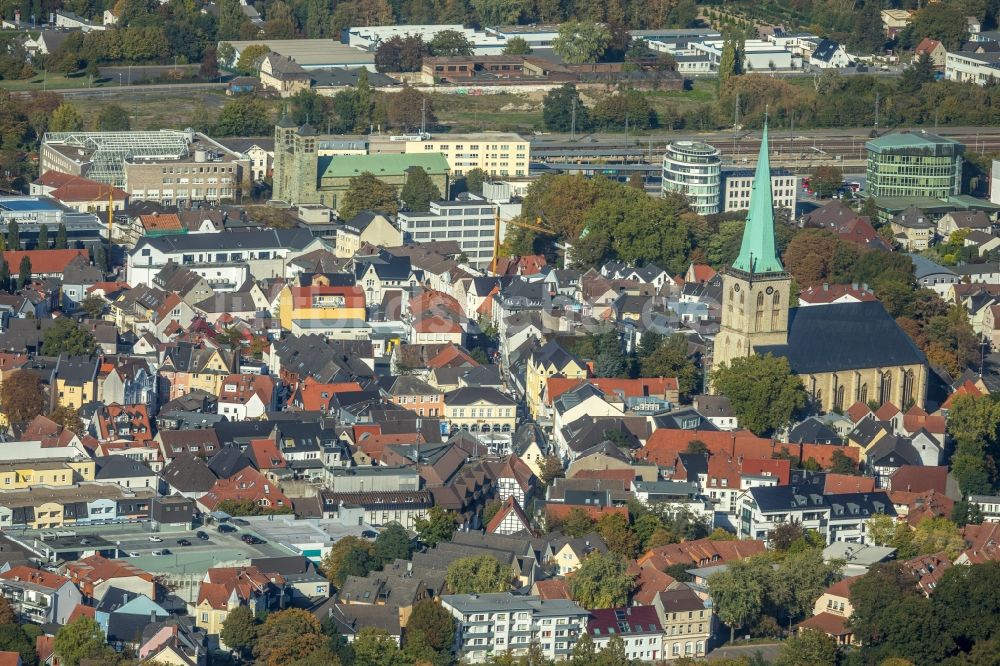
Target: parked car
{"x": 201, "y": 535}
{"x": 240, "y": 522}
{"x": 251, "y": 539}
{"x": 162, "y": 551}
{"x": 155, "y": 539}
{"x": 183, "y": 542}
{"x": 226, "y": 529}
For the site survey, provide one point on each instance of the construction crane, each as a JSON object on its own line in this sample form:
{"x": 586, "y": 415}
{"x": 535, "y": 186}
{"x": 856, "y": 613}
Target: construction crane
{"x": 539, "y": 226}
{"x": 111, "y": 215}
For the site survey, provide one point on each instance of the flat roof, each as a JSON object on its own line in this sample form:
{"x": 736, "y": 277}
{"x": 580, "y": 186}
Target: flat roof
{"x": 347, "y": 166}
{"x": 922, "y": 141}
{"x": 28, "y": 204}
{"x": 312, "y": 52}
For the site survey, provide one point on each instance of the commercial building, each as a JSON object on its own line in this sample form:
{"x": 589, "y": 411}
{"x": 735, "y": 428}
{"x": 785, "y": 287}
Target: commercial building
{"x": 32, "y": 212}
{"x": 302, "y": 175}
{"x": 167, "y": 166}
{"x": 310, "y": 53}
{"x": 470, "y": 221}
{"x": 693, "y": 168}
{"x": 369, "y": 37}
{"x": 738, "y": 184}
{"x": 972, "y": 67}
{"x": 496, "y": 153}
{"x": 912, "y": 164}
{"x": 46, "y": 506}
{"x": 502, "y": 622}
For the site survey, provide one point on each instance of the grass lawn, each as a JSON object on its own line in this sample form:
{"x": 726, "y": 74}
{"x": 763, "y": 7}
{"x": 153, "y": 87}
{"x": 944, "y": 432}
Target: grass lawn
{"x": 503, "y": 112}
{"x": 152, "y": 111}
{"x": 51, "y": 81}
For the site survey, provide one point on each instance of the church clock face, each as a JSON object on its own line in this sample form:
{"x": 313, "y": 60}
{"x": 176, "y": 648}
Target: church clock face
{"x": 770, "y": 290}
{"x": 736, "y": 287}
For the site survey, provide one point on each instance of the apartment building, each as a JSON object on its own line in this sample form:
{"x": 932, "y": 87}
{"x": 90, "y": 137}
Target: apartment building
{"x": 46, "y": 507}
{"x": 502, "y": 622}
{"x": 841, "y": 517}
{"x": 39, "y": 596}
{"x": 496, "y": 153}
{"x": 637, "y": 626}
{"x": 469, "y": 220}
{"x": 972, "y": 67}
{"x": 687, "y": 622}
{"x": 737, "y": 185}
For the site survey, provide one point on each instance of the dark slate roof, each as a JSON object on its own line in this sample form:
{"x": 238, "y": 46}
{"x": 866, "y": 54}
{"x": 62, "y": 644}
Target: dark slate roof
{"x": 893, "y": 451}
{"x": 228, "y": 461}
{"x": 825, "y": 50}
{"x": 233, "y": 240}
{"x": 119, "y": 467}
{"x": 468, "y": 395}
{"x": 814, "y": 431}
{"x": 695, "y": 464}
{"x": 188, "y": 473}
{"x": 844, "y": 336}
{"x": 866, "y": 431}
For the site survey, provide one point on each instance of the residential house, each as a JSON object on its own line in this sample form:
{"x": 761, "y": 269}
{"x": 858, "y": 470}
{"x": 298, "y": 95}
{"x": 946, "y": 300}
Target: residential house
{"x": 95, "y": 575}
{"x": 638, "y": 627}
{"x": 247, "y": 396}
{"x": 226, "y": 588}
{"x": 933, "y": 50}
{"x": 543, "y": 362}
{"x": 687, "y": 622}
{"x": 367, "y": 227}
{"x": 250, "y": 486}
{"x": 39, "y": 597}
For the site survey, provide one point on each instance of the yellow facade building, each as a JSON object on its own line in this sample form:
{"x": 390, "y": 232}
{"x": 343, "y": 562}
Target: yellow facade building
{"x": 547, "y": 361}
{"x": 496, "y": 153}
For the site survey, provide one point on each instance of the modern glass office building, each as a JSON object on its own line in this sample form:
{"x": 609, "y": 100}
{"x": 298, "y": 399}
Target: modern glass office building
{"x": 693, "y": 169}
{"x": 914, "y": 164}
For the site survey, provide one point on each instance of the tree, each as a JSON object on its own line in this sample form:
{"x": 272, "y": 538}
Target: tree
{"x": 868, "y": 35}
{"x": 66, "y": 336}
{"x": 113, "y": 118}
{"x": 366, "y": 192}
{"x": 602, "y": 581}
{"x": 7, "y": 615}
{"x": 409, "y": 109}
{"x": 13, "y": 236}
{"x": 581, "y": 42}
{"x": 478, "y": 575}
{"x": 941, "y": 21}
{"x": 43, "y": 237}
{"x": 244, "y": 116}
{"x": 20, "y": 639}
{"x": 209, "y": 68}
{"x": 738, "y": 592}
{"x": 66, "y": 118}
{"x": 68, "y": 418}
{"x": 231, "y": 17}
{"x": 826, "y": 180}
{"x": 730, "y": 62}
{"x": 93, "y": 305}
{"x": 358, "y": 562}
{"x": 286, "y": 636}
{"x": 81, "y": 639}
{"x": 333, "y": 560}
{"x": 499, "y": 12}
{"x": 517, "y": 46}
{"x": 762, "y": 390}
{"x": 239, "y": 630}
{"x": 626, "y": 108}
{"x": 364, "y": 102}
{"x": 249, "y": 60}
{"x": 474, "y": 179}
{"x": 670, "y": 359}
{"x": 552, "y": 469}
{"x": 392, "y": 543}
{"x": 419, "y": 190}
{"x": 4, "y": 274}
{"x": 438, "y": 526}
{"x": 808, "y": 648}
{"x": 374, "y": 647}
{"x": 840, "y": 463}
{"x": 577, "y": 523}
{"x": 563, "y": 111}
{"x": 491, "y": 509}
{"x": 435, "y": 624}
{"x": 22, "y": 396}
{"x": 450, "y": 43}
{"x": 782, "y": 536}
{"x": 24, "y": 272}
{"x": 61, "y": 243}
{"x": 618, "y": 535}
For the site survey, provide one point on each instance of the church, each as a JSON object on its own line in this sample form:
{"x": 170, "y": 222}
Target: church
{"x": 844, "y": 353}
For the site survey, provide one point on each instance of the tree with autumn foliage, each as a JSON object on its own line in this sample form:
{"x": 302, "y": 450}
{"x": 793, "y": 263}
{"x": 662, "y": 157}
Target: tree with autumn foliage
{"x": 22, "y": 397}
{"x": 286, "y": 636}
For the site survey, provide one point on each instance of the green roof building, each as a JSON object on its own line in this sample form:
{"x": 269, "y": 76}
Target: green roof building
{"x": 914, "y": 164}
{"x": 302, "y": 176}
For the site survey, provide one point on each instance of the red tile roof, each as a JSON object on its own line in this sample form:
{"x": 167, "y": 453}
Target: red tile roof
{"x": 247, "y": 484}
{"x": 613, "y": 388}
{"x": 703, "y": 272}
{"x": 83, "y": 190}
{"x": 650, "y": 582}
{"x": 968, "y": 387}
{"x": 93, "y": 570}
{"x": 857, "y": 411}
{"x": 374, "y": 445}
{"x": 664, "y": 444}
{"x": 161, "y": 222}
{"x": 557, "y": 512}
{"x": 926, "y": 46}
{"x": 246, "y": 582}
{"x": 26, "y": 574}
{"x": 125, "y": 421}
{"x": 838, "y": 484}
{"x": 10, "y": 658}
{"x": 554, "y": 588}
{"x": 782, "y": 469}
{"x": 266, "y": 454}
{"x": 917, "y": 479}
{"x": 242, "y": 387}
{"x": 702, "y": 552}
{"x": 827, "y": 623}
{"x": 828, "y": 293}
{"x": 43, "y": 262}
{"x": 302, "y": 297}
{"x": 886, "y": 412}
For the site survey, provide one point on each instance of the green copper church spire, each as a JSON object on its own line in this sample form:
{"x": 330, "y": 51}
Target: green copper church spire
{"x": 757, "y": 252}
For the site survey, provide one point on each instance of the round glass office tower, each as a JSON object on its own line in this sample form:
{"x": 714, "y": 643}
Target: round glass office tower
{"x": 693, "y": 169}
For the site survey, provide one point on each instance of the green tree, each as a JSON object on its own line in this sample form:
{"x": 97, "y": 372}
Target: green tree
{"x": 239, "y": 630}
{"x": 517, "y": 46}
{"x": 286, "y": 636}
{"x": 941, "y": 21}
{"x": 762, "y": 390}
{"x": 231, "y": 18}
{"x": 68, "y": 418}
{"x": 66, "y": 118}
{"x": 66, "y": 336}
{"x": 920, "y": 71}
{"x": 364, "y": 102}
{"x": 366, "y": 192}
{"x": 670, "y": 359}
{"x": 618, "y": 535}
{"x": 581, "y": 42}
{"x": 491, "y": 509}
{"x": 374, "y": 647}
{"x": 13, "y": 236}
{"x": 20, "y": 639}
{"x": 868, "y": 35}
{"x": 808, "y": 648}
{"x": 419, "y": 190}
{"x": 438, "y": 526}
{"x": 43, "y": 237}
{"x": 730, "y": 62}
{"x": 333, "y": 560}
{"x": 113, "y": 118}
{"x": 61, "y": 243}
{"x": 552, "y": 469}
{"x": 738, "y": 593}
{"x": 7, "y": 614}
{"x": 244, "y": 116}
{"x": 249, "y": 60}
{"x": 22, "y": 396}
{"x": 840, "y": 463}
{"x": 93, "y": 306}
{"x": 576, "y": 523}
{"x": 450, "y": 43}
{"x": 474, "y": 179}
{"x": 81, "y": 639}
{"x": 602, "y": 581}
{"x": 563, "y": 111}
{"x": 434, "y": 623}
{"x": 358, "y": 562}
{"x": 409, "y": 109}
{"x": 826, "y": 180}
{"x": 4, "y": 275}
{"x": 24, "y": 272}
{"x": 478, "y": 575}
{"x": 499, "y": 12}
{"x": 392, "y": 543}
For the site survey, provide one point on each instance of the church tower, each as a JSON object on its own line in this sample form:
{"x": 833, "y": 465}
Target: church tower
{"x": 756, "y": 288}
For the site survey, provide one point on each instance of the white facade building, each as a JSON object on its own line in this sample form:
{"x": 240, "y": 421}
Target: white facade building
{"x": 471, "y": 222}
{"x": 369, "y": 37}
{"x": 979, "y": 68}
{"x": 693, "y": 169}
{"x": 737, "y": 186}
